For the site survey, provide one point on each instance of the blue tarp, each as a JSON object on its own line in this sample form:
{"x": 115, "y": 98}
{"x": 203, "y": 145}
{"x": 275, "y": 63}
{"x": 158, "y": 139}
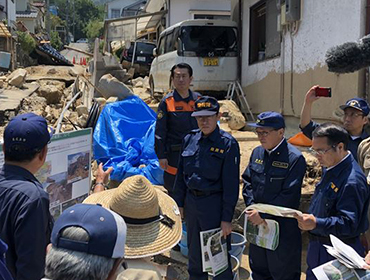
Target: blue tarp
{"x": 124, "y": 139}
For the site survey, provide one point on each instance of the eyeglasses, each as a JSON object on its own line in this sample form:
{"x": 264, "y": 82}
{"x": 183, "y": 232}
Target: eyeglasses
{"x": 353, "y": 115}
{"x": 321, "y": 152}
{"x": 178, "y": 77}
{"x": 263, "y": 133}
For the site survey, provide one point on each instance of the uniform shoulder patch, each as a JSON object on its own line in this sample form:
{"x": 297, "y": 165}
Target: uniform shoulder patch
{"x": 160, "y": 115}
{"x": 280, "y": 164}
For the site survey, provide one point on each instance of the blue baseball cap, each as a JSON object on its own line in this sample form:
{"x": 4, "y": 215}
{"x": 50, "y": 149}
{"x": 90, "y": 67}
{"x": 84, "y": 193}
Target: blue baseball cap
{"x": 29, "y": 131}
{"x": 106, "y": 229}
{"x": 206, "y": 106}
{"x": 269, "y": 119}
{"x": 357, "y": 103}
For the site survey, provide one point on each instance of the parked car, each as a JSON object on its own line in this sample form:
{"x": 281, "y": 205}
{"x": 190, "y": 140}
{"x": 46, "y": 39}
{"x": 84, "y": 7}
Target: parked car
{"x": 82, "y": 40}
{"x": 142, "y": 59}
{"x": 208, "y": 46}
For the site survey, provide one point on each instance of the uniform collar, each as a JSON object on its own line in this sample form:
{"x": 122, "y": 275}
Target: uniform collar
{"x": 213, "y": 136}
{"x": 19, "y": 171}
{"x": 178, "y": 97}
{"x": 277, "y": 147}
{"x": 343, "y": 164}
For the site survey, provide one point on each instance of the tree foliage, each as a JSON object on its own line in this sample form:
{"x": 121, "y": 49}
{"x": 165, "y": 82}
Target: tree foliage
{"x": 26, "y": 41}
{"x": 94, "y": 29}
{"x": 82, "y": 11}
{"x": 55, "y": 40}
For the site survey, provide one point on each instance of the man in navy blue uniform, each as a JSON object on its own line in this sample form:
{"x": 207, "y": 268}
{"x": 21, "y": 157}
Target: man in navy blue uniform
{"x": 341, "y": 199}
{"x": 356, "y": 111}
{"x": 174, "y": 121}
{"x": 274, "y": 176}
{"x": 25, "y": 221}
{"x": 207, "y": 183}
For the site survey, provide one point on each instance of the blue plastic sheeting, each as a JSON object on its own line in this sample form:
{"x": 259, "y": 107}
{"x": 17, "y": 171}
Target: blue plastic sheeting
{"x": 124, "y": 139}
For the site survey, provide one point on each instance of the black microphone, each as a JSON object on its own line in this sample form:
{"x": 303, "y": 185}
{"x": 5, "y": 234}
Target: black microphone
{"x": 349, "y": 57}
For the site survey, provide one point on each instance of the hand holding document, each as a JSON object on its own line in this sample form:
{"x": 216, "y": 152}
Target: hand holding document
{"x": 348, "y": 264}
{"x": 265, "y": 235}
{"x": 214, "y": 251}
{"x": 274, "y": 210}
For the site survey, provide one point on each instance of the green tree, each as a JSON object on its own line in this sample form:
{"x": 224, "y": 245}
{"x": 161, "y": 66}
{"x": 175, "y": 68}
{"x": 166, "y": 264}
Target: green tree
{"x": 94, "y": 29}
{"x": 82, "y": 11}
{"x": 26, "y": 41}
{"x": 55, "y": 40}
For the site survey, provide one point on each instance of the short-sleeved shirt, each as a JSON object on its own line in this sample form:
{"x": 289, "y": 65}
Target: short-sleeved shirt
{"x": 25, "y": 221}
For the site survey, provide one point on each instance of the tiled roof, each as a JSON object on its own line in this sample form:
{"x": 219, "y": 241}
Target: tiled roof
{"x": 4, "y": 32}
{"x": 26, "y": 14}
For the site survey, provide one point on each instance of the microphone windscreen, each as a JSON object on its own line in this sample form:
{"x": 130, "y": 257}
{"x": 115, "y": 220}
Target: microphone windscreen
{"x": 349, "y": 57}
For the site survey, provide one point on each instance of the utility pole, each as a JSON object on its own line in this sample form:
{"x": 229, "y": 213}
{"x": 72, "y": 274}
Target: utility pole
{"x": 48, "y": 20}
{"x": 67, "y": 21}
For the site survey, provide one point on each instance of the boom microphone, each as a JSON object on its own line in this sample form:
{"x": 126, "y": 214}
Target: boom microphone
{"x": 349, "y": 57}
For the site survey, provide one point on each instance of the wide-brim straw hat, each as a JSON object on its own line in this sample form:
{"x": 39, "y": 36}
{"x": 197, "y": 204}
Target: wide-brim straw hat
{"x": 152, "y": 217}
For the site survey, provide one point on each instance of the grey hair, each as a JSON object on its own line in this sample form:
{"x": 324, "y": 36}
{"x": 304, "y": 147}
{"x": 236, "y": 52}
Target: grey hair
{"x": 63, "y": 264}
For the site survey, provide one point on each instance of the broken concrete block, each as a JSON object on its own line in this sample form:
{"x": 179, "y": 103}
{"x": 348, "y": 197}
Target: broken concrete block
{"x": 109, "y": 86}
{"x": 17, "y": 78}
{"x": 82, "y": 110}
{"x": 52, "y": 93}
{"x": 236, "y": 119}
{"x": 51, "y": 71}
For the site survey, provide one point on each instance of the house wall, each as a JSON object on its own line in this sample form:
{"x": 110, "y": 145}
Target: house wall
{"x": 119, "y": 4}
{"x": 21, "y": 5}
{"x": 11, "y": 11}
{"x": 280, "y": 83}
{"x": 180, "y": 10}
{"x": 29, "y": 23}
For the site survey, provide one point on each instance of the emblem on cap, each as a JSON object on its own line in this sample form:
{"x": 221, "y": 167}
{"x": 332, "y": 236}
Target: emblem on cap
{"x": 354, "y": 103}
{"x": 259, "y": 121}
{"x": 204, "y": 105}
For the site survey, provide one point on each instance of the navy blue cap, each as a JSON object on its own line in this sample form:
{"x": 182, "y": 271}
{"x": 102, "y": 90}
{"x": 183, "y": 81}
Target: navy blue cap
{"x": 357, "y": 103}
{"x": 29, "y": 131}
{"x": 106, "y": 229}
{"x": 269, "y": 119}
{"x": 206, "y": 106}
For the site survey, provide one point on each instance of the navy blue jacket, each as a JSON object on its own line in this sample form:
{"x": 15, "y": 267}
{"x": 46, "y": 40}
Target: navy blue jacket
{"x": 340, "y": 201}
{"x": 174, "y": 121}
{"x": 274, "y": 179}
{"x": 4, "y": 272}
{"x": 209, "y": 164}
{"x": 352, "y": 144}
{"x": 25, "y": 222}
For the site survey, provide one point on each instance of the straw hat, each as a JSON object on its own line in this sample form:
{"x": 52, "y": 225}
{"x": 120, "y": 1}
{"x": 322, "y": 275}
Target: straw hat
{"x": 152, "y": 217}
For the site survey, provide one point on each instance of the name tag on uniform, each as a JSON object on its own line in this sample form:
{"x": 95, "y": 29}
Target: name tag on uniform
{"x": 279, "y": 164}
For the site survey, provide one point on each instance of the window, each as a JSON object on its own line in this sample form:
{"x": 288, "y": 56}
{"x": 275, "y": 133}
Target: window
{"x": 169, "y": 43}
{"x": 161, "y": 45}
{"x": 115, "y": 13}
{"x": 201, "y": 16}
{"x": 264, "y": 40}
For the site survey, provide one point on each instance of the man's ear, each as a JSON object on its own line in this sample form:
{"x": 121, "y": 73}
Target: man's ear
{"x": 48, "y": 248}
{"x": 43, "y": 153}
{"x": 340, "y": 146}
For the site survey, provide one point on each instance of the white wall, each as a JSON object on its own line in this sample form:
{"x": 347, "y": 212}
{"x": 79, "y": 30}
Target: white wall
{"x": 118, "y": 4}
{"x": 324, "y": 24}
{"x": 11, "y": 11}
{"x": 180, "y": 10}
{"x": 21, "y": 5}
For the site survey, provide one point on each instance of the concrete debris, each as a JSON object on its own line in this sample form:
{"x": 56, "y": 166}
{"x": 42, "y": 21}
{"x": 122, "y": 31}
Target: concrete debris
{"x": 143, "y": 93}
{"x": 110, "y": 86}
{"x": 51, "y": 91}
{"x": 82, "y": 110}
{"x": 17, "y": 78}
{"x": 231, "y": 114}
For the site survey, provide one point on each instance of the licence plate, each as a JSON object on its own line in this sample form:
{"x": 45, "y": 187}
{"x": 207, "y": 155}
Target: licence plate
{"x": 140, "y": 58}
{"x": 213, "y": 61}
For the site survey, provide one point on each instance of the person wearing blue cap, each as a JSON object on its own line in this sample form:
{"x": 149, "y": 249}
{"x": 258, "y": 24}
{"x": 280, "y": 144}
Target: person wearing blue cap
{"x": 24, "y": 206}
{"x": 356, "y": 111}
{"x": 207, "y": 183}
{"x": 340, "y": 203}
{"x": 87, "y": 242}
{"x": 274, "y": 176}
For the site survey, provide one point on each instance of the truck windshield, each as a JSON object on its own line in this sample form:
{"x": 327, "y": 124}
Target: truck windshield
{"x": 209, "y": 41}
